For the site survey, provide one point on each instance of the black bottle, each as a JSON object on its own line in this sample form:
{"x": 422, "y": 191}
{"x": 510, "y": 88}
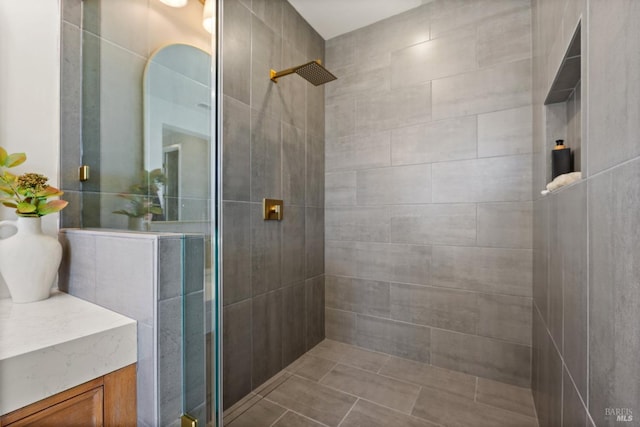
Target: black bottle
{"x": 560, "y": 159}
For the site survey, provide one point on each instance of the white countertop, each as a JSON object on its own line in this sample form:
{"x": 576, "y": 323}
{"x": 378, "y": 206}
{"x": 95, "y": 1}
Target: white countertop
{"x": 56, "y": 344}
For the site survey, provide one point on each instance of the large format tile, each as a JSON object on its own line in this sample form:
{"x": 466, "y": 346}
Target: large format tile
{"x": 364, "y": 224}
{"x": 236, "y": 150}
{"x": 490, "y": 89}
{"x": 438, "y": 307}
{"x": 358, "y": 152}
{"x": 426, "y": 375}
{"x": 573, "y": 229}
{"x": 424, "y": 143}
{"x": 452, "y": 54}
{"x": 378, "y": 261}
{"x": 392, "y": 109}
{"x": 496, "y": 179}
{"x": 313, "y": 400}
{"x": 447, "y": 16}
{"x": 314, "y": 309}
{"x": 385, "y": 391}
{"x": 613, "y": 110}
{"x": 505, "y": 133}
{"x": 261, "y": 414}
{"x": 505, "y": 225}
{"x": 314, "y": 241}
{"x": 394, "y": 185}
{"x": 573, "y": 411}
{"x": 237, "y": 251}
{"x": 291, "y": 419}
{"x": 311, "y": 367}
{"x": 236, "y": 358}
{"x": 266, "y": 334}
{"x": 368, "y": 75}
{"x": 340, "y": 189}
{"x": 391, "y": 337}
{"x": 505, "y": 38}
{"x": 293, "y": 245}
{"x": 453, "y": 411}
{"x": 293, "y": 165}
{"x": 340, "y": 325}
{"x": 349, "y": 355}
{"x": 357, "y": 295}
{"x": 614, "y": 295}
{"x": 237, "y": 50}
{"x": 314, "y": 187}
{"x": 266, "y": 157}
{"x": 266, "y": 252}
{"x": 368, "y": 414}
{"x": 506, "y": 271}
{"x": 505, "y": 396}
{"x": 432, "y": 224}
{"x": 340, "y": 118}
{"x": 293, "y": 323}
{"x": 485, "y": 357}
{"x": 505, "y": 317}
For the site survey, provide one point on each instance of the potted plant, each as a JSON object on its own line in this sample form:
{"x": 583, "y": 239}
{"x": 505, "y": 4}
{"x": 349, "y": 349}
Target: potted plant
{"x": 143, "y": 200}
{"x": 29, "y": 259}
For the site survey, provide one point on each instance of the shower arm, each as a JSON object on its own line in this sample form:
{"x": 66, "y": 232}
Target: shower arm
{"x": 275, "y": 75}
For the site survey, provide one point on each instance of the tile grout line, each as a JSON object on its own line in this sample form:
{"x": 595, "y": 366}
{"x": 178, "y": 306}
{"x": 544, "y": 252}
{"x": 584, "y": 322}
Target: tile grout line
{"x": 475, "y": 392}
{"x": 280, "y": 417}
{"x": 415, "y": 402}
{"x": 348, "y": 412}
{"x": 294, "y": 412}
{"x": 325, "y": 375}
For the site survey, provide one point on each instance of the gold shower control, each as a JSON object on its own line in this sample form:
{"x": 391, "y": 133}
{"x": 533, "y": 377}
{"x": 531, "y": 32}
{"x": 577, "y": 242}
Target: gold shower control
{"x": 83, "y": 173}
{"x": 272, "y": 209}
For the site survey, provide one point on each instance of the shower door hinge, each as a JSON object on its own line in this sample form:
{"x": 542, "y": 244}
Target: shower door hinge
{"x": 188, "y": 421}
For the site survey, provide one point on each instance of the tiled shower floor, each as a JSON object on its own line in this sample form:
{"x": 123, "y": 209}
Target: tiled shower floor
{"x": 336, "y": 384}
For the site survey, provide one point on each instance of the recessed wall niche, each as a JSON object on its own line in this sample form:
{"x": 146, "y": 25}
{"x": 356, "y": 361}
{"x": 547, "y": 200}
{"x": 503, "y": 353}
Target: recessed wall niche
{"x": 563, "y": 106}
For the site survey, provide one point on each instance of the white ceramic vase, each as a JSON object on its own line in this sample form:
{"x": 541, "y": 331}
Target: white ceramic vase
{"x": 29, "y": 260}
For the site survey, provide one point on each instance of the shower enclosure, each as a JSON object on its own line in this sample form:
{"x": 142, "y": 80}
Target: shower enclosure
{"x": 139, "y": 113}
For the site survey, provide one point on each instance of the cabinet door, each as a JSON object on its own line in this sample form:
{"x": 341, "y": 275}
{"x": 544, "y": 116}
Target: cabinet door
{"x": 83, "y": 410}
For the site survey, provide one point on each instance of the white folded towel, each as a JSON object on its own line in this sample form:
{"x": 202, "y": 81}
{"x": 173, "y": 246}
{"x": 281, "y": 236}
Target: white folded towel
{"x": 561, "y": 181}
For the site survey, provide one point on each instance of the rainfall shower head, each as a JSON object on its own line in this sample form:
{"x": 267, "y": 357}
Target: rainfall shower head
{"x": 312, "y": 71}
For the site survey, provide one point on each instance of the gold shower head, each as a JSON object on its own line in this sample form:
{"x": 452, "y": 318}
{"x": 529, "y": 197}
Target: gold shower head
{"x": 312, "y": 71}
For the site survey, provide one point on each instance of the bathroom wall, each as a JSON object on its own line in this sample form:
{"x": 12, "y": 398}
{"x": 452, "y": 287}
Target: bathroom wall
{"x": 585, "y": 278}
{"x": 428, "y": 177}
{"x": 29, "y": 77}
{"x": 273, "y": 147}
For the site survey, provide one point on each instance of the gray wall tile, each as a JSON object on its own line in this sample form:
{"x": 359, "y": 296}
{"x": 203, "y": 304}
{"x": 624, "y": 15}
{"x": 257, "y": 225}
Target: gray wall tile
{"x": 170, "y": 373}
{"x": 448, "y": 224}
{"x": 70, "y": 98}
{"x": 340, "y": 188}
{"x": 505, "y": 317}
{"x": 573, "y": 413}
{"x": 236, "y": 242}
{"x": 361, "y": 152}
{"x": 451, "y": 54}
{"x": 494, "y": 179}
{"x": 424, "y": 143}
{"x": 506, "y": 271}
{"x": 237, "y": 355}
{"x": 447, "y": 16}
{"x": 394, "y": 185}
{"x": 237, "y": 49}
{"x": 266, "y": 335}
{"x": 437, "y": 307}
{"x": 340, "y": 118}
{"x": 236, "y": 150}
{"x": 266, "y": 157}
{"x": 293, "y": 165}
{"x": 399, "y": 339}
{"x": 270, "y": 12}
{"x": 504, "y": 133}
{"x": 314, "y": 191}
{"x": 315, "y": 314}
{"x": 293, "y": 323}
{"x": 367, "y": 224}
{"x": 485, "y": 357}
{"x": 505, "y": 225}
{"x": 314, "y": 242}
{"x": 489, "y": 89}
{"x": 266, "y": 44}
{"x": 293, "y": 245}
{"x": 266, "y": 252}
{"x": 357, "y": 295}
{"x": 340, "y": 325}
{"x": 169, "y": 277}
{"x": 388, "y": 110}
{"x": 614, "y": 199}
{"x": 368, "y": 75}
{"x": 77, "y": 274}
{"x": 505, "y": 38}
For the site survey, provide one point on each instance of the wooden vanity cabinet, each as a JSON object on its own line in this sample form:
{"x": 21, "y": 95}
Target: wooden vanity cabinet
{"x": 107, "y": 401}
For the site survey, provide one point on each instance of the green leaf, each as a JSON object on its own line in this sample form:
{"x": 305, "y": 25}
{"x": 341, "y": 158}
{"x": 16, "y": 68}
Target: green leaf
{"x": 15, "y": 159}
{"x": 3, "y": 156}
{"x": 52, "y": 207}
{"x": 24, "y": 207}
{"x": 9, "y": 204}
{"x": 155, "y": 210}
{"x": 123, "y": 212}
{"x": 49, "y": 192}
